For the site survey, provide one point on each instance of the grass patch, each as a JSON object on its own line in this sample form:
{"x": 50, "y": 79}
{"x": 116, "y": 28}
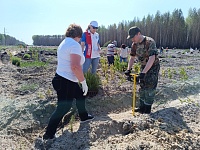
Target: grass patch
{"x": 28, "y": 87}
{"x": 27, "y": 56}
{"x": 16, "y": 61}
{"x": 33, "y": 64}
{"x": 93, "y": 81}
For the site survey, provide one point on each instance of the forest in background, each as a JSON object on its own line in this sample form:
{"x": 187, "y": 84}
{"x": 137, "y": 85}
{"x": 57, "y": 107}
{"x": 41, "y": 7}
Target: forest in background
{"x": 168, "y": 30}
{"x": 9, "y": 40}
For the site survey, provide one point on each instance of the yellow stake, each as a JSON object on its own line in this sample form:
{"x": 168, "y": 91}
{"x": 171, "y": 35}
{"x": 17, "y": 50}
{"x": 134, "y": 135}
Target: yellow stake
{"x": 134, "y": 92}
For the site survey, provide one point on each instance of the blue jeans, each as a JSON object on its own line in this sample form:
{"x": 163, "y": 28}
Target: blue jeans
{"x": 111, "y": 60}
{"x": 94, "y": 62}
{"x": 123, "y": 59}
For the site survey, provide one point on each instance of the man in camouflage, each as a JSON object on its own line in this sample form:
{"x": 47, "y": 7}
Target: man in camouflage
{"x": 144, "y": 48}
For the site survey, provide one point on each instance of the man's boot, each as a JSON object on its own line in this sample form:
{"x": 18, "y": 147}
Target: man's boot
{"x": 141, "y": 109}
{"x": 147, "y": 109}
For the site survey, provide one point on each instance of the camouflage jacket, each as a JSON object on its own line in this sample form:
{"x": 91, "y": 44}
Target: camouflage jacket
{"x": 144, "y": 50}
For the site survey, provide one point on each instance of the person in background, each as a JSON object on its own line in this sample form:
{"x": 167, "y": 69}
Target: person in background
{"x": 111, "y": 50}
{"x": 90, "y": 44}
{"x": 66, "y": 80}
{"x": 123, "y": 53}
{"x": 167, "y": 50}
{"x": 144, "y": 48}
{"x": 191, "y": 50}
{"x": 161, "y": 50}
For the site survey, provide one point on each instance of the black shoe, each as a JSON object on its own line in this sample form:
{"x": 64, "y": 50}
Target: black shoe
{"x": 47, "y": 137}
{"x": 127, "y": 72}
{"x": 89, "y": 118}
{"x": 140, "y": 109}
{"x": 147, "y": 109}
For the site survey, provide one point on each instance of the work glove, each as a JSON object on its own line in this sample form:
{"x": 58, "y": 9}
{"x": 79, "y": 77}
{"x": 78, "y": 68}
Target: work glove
{"x": 84, "y": 87}
{"x": 127, "y": 72}
{"x": 130, "y": 78}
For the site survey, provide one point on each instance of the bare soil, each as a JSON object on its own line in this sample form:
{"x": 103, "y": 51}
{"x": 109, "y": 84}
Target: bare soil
{"x": 27, "y": 100}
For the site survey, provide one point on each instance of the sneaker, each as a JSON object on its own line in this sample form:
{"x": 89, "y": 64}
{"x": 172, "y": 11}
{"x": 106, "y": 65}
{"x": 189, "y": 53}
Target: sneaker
{"x": 127, "y": 72}
{"x": 47, "y": 137}
{"x": 89, "y": 118}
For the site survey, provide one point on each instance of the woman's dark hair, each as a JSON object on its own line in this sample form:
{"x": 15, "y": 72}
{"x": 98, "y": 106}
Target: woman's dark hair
{"x": 123, "y": 46}
{"x": 74, "y": 31}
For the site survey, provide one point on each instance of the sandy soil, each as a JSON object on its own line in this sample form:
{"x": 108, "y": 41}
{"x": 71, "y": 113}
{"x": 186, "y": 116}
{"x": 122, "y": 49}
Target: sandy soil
{"x": 27, "y": 101}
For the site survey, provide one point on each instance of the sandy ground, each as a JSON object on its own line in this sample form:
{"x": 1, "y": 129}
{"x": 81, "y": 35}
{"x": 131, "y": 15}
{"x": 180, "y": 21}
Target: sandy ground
{"x": 173, "y": 124}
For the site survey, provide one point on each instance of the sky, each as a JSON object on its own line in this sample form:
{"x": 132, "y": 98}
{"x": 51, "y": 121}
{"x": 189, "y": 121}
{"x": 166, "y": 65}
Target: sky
{"x": 24, "y": 18}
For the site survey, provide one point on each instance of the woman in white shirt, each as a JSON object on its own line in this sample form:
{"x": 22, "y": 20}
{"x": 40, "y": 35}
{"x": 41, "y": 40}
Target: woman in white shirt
{"x": 68, "y": 74}
{"x": 123, "y": 53}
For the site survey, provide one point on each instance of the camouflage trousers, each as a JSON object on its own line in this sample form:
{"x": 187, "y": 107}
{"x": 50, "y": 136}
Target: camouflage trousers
{"x": 147, "y": 89}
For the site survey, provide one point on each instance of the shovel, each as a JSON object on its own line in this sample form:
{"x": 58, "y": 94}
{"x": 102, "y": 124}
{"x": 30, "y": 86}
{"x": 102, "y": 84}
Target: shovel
{"x": 134, "y": 92}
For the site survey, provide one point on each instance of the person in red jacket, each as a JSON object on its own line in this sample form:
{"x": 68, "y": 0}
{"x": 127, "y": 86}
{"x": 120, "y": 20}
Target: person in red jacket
{"x": 90, "y": 43}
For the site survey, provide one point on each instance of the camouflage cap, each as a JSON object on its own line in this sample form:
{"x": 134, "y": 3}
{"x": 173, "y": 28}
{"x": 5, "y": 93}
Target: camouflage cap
{"x": 133, "y": 31}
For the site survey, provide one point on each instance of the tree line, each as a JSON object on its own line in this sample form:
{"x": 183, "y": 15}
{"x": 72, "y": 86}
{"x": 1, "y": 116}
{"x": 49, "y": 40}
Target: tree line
{"x": 9, "y": 40}
{"x": 47, "y": 40}
{"x": 168, "y": 30}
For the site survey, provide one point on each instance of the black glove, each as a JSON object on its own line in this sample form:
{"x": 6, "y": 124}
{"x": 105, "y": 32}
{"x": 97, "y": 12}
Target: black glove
{"x": 130, "y": 78}
{"x": 127, "y": 72}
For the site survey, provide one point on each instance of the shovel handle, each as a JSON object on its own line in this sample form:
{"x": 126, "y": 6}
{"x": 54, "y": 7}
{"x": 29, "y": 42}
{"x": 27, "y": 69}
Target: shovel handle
{"x": 134, "y": 92}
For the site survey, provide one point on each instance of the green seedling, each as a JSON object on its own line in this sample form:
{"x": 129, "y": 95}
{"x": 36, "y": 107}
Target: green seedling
{"x": 71, "y": 123}
{"x": 183, "y": 74}
{"x": 169, "y": 73}
{"x": 163, "y": 72}
{"x": 112, "y": 71}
